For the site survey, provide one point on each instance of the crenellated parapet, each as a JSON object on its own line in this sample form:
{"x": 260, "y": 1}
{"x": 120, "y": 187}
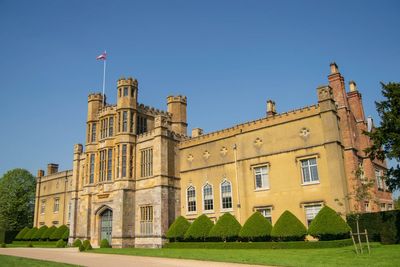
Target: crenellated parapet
{"x": 147, "y": 110}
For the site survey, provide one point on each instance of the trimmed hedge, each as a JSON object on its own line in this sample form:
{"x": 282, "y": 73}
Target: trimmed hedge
{"x": 384, "y": 224}
{"x": 46, "y": 235}
{"x": 104, "y": 244}
{"x": 61, "y": 244}
{"x": 58, "y": 233}
{"x": 9, "y": 236}
{"x": 30, "y": 234}
{"x": 77, "y": 243}
{"x": 177, "y": 230}
{"x": 65, "y": 236}
{"x": 86, "y": 244}
{"x": 288, "y": 228}
{"x": 328, "y": 225}
{"x": 256, "y": 228}
{"x": 199, "y": 229}
{"x": 39, "y": 233}
{"x": 227, "y": 228}
{"x": 21, "y": 233}
{"x": 262, "y": 245}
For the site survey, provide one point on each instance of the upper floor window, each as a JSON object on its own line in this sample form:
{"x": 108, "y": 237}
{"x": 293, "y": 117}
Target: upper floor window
{"x": 93, "y": 138}
{"x": 380, "y": 180}
{"x": 141, "y": 125}
{"x": 43, "y": 207}
{"x": 383, "y": 206}
{"x": 124, "y": 121}
{"x": 102, "y": 171}
{"x": 261, "y": 180}
{"x": 56, "y": 207}
{"x": 69, "y": 210}
{"x": 226, "y": 195}
{"x": 109, "y": 164}
{"x": 146, "y": 220}
{"x": 266, "y": 212}
{"x": 311, "y": 211}
{"x": 146, "y": 162}
{"x": 208, "y": 197}
{"x": 126, "y": 91}
{"x": 389, "y": 206}
{"x": 111, "y": 126}
{"x": 123, "y": 160}
{"x": 309, "y": 170}
{"x": 91, "y": 168}
{"x": 191, "y": 199}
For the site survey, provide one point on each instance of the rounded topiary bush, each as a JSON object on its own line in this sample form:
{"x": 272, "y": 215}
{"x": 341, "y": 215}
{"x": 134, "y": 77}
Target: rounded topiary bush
{"x": 48, "y": 232}
{"x": 77, "y": 243}
{"x": 199, "y": 229}
{"x": 81, "y": 248}
{"x": 226, "y": 229}
{"x": 61, "y": 244}
{"x": 30, "y": 233}
{"x": 256, "y": 228}
{"x": 288, "y": 228}
{"x": 104, "y": 244}
{"x": 58, "y": 233}
{"x": 328, "y": 225}
{"x": 177, "y": 230}
{"x": 39, "y": 233}
{"x": 21, "y": 233}
{"x": 86, "y": 244}
{"x": 65, "y": 235}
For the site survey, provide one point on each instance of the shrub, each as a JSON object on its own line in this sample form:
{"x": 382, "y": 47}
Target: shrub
{"x": 21, "y": 233}
{"x": 48, "y": 232}
{"x": 199, "y": 229}
{"x": 30, "y": 245}
{"x": 86, "y": 244}
{"x": 30, "y": 233}
{"x": 288, "y": 228}
{"x": 58, "y": 233}
{"x": 39, "y": 233}
{"x": 77, "y": 243}
{"x": 328, "y": 225}
{"x": 3, "y": 245}
{"x": 81, "y": 248}
{"x": 61, "y": 244}
{"x": 104, "y": 244}
{"x": 226, "y": 229}
{"x": 261, "y": 245}
{"x": 256, "y": 228}
{"x": 65, "y": 236}
{"x": 177, "y": 230}
{"x": 388, "y": 233}
{"x": 10, "y": 236}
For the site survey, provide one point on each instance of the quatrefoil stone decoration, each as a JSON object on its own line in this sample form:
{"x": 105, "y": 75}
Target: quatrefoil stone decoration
{"x": 223, "y": 151}
{"x": 258, "y": 142}
{"x": 206, "y": 155}
{"x": 304, "y": 132}
{"x": 190, "y": 158}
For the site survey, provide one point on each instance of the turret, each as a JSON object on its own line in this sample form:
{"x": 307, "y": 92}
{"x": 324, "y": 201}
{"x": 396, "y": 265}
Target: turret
{"x": 177, "y": 107}
{"x": 127, "y": 92}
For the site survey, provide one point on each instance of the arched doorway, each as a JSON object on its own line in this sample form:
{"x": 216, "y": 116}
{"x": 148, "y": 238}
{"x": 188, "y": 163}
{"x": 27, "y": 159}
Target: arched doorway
{"x": 106, "y": 225}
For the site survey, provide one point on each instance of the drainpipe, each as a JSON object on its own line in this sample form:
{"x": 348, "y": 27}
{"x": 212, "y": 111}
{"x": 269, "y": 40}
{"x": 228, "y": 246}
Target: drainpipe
{"x": 237, "y": 183}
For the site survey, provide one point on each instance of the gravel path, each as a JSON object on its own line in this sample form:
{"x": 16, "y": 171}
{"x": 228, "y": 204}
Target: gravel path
{"x": 73, "y": 256}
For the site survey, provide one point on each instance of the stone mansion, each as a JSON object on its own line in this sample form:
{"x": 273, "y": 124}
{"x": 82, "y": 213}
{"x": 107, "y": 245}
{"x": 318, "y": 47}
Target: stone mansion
{"x": 139, "y": 169}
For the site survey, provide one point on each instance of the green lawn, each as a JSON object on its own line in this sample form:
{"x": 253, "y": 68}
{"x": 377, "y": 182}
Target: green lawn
{"x": 11, "y": 261}
{"x": 388, "y": 255}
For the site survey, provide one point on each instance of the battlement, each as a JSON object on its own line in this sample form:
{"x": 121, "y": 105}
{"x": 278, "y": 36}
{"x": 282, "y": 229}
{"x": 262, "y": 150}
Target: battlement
{"x": 127, "y": 82}
{"x": 95, "y": 97}
{"x": 250, "y": 125}
{"x": 107, "y": 109}
{"x": 178, "y": 98}
{"x": 153, "y": 111}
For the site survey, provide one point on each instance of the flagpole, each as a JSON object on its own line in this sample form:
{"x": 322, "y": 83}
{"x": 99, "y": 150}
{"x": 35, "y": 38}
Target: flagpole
{"x": 104, "y": 81}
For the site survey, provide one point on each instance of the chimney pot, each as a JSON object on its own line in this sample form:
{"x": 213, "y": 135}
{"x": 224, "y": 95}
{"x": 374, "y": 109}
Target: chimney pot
{"x": 353, "y": 86}
{"x": 40, "y": 173}
{"x": 197, "y": 132}
{"x": 271, "y": 110}
{"x": 334, "y": 68}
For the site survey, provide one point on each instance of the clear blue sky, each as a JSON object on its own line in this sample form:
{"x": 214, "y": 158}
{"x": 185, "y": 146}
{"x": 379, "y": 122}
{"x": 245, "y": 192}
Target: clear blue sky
{"x": 227, "y": 57}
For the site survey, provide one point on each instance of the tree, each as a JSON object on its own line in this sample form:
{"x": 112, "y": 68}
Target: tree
{"x": 386, "y": 137}
{"x": 397, "y": 203}
{"x": 17, "y": 198}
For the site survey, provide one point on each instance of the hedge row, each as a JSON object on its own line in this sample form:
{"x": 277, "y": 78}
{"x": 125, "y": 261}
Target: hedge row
{"x": 327, "y": 225}
{"x": 382, "y": 226}
{"x": 262, "y": 245}
{"x": 43, "y": 233}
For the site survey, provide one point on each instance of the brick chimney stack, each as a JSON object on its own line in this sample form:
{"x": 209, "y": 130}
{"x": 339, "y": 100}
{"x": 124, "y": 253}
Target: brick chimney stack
{"x": 271, "y": 109}
{"x": 52, "y": 168}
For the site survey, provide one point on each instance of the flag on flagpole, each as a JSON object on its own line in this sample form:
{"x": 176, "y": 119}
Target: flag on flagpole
{"x": 103, "y": 56}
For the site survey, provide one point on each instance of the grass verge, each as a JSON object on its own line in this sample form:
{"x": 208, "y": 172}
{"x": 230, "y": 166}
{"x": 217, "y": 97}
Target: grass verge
{"x": 381, "y": 255}
{"x": 12, "y": 261}
{"x": 36, "y": 244}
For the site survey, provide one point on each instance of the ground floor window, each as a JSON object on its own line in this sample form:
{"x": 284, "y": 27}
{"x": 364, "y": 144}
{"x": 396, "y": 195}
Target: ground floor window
{"x": 266, "y": 212}
{"x": 146, "y": 220}
{"x": 311, "y": 211}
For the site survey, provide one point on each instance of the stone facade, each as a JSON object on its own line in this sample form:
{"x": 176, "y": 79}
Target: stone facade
{"x": 139, "y": 169}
